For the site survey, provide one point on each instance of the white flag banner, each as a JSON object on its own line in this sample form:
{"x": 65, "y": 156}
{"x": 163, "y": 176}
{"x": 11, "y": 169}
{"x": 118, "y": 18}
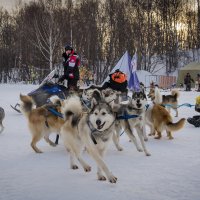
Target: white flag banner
{"x": 134, "y": 62}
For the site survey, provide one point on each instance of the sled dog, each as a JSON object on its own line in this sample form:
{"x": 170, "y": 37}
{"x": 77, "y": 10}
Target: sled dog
{"x": 92, "y": 130}
{"x": 159, "y": 119}
{"x": 41, "y": 121}
{"x": 2, "y": 116}
{"x": 134, "y": 109}
{"x": 171, "y": 99}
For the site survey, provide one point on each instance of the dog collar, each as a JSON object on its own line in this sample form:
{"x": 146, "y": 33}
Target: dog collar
{"x": 93, "y": 130}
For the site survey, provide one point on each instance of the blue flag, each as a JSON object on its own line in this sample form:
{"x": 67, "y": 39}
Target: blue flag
{"x": 133, "y": 83}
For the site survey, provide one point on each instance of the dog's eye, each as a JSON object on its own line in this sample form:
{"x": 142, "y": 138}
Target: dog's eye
{"x": 103, "y": 113}
{"x": 96, "y": 113}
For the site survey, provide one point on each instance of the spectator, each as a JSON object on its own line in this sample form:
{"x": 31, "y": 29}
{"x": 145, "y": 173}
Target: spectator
{"x": 188, "y": 81}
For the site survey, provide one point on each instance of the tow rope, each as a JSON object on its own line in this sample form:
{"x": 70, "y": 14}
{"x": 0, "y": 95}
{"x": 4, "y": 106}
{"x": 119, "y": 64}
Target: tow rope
{"x": 126, "y": 117}
{"x": 184, "y": 104}
{"x": 55, "y": 112}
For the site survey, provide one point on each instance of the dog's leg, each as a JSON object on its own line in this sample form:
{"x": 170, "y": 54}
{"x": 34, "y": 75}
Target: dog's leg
{"x": 72, "y": 161}
{"x": 100, "y": 175}
{"x": 75, "y": 150}
{"x": 169, "y": 135}
{"x": 152, "y": 130}
{"x": 176, "y": 110}
{"x": 2, "y": 128}
{"x": 92, "y": 150}
{"x": 116, "y": 136}
{"x": 132, "y": 137}
{"x": 140, "y": 134}
{"x": 35, "y": 138}
{"x": 158, "y": 133}
{"x": 46, "y": 137}
{"x": 144, "y": 132}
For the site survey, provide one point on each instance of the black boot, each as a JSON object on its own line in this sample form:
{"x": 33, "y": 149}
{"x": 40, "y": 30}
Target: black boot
{"x": 197, "y": 123}
{"x": 193, "y": 121}
{"x": 196, "y": 117}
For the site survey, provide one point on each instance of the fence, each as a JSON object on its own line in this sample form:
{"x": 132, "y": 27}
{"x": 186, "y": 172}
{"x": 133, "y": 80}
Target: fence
{"x": 163, "y": 81}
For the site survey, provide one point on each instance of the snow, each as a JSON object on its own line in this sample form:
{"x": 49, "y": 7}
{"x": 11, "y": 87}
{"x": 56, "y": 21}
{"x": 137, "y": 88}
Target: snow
{"x": 170, "y": 173}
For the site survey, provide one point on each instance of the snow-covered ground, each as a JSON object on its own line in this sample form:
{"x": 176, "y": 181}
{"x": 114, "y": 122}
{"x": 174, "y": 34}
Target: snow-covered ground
{"x": 172, "y": 172}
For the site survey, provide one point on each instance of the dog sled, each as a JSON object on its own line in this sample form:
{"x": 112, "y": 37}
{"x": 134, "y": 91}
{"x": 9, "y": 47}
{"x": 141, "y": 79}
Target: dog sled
{"x": 42, "y": 94}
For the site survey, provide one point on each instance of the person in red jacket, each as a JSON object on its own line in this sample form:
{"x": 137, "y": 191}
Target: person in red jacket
{"x": 71, "y": 64}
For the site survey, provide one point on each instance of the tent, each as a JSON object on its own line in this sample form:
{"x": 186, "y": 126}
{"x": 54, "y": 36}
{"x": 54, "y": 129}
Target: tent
{"x": 124, "y": 65}
{"x": 193, "y": 68}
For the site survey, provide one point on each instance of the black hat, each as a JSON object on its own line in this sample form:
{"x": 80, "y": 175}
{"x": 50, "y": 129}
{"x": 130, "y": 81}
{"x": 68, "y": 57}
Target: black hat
{"x": 68, "y": 47}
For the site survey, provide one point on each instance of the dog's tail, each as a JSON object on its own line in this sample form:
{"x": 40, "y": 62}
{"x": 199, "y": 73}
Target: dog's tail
{"x": 72, "y": 110}
{"x": 158, "y": 96}
{"x": 175, "y": 93}
{"x": 27, "y": 104}
{"x": 176, "y": 126}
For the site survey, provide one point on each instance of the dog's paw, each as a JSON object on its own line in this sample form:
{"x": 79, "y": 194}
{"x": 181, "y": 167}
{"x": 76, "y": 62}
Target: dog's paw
{"x": 112, "y": 179}
{"x": 74, "y": 167}
{"x": 157, "y": 137}
{"x": 53, "y": 144}
{"x": 147, "y": 154}
{"x": 146, "y": 139}
{"x": 139, "y": 149}
{"x": 87, "y": 168}
{"x": 120, "y": 148}
{"x": 101, "y": 178}
{"x": 171, "y": 138}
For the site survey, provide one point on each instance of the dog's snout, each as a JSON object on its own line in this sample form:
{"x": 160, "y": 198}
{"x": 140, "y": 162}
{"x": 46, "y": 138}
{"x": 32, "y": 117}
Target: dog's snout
{"x": 138, "y": 101}
{"x": 98, "y": 122}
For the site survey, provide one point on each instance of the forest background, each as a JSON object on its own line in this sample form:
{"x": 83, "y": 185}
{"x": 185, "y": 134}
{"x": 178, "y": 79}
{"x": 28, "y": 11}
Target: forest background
{"x": 33, "y": 35}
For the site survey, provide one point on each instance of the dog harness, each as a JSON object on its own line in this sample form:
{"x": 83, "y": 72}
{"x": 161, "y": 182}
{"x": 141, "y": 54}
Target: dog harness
{"x": 97, "y": 133}
{"x": 54, "y": 112}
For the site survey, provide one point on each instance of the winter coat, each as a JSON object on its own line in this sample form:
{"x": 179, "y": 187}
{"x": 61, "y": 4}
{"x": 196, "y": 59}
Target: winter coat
{"x": 71, "y": 63}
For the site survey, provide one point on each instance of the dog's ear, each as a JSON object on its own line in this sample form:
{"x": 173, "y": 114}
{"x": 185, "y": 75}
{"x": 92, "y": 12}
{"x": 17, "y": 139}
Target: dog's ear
{"x": 93, "y": 103}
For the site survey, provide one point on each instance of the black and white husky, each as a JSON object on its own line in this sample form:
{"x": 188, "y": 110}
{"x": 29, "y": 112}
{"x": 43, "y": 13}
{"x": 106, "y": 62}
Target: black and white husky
{"x": 92, "y": 130}
{"x": 2, "y": 116}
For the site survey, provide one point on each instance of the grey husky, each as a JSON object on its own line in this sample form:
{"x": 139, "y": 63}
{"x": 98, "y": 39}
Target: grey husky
{"x": 130, "y": 115}
{"x": 2, "y": 116}
{"x": 92, "y": 130}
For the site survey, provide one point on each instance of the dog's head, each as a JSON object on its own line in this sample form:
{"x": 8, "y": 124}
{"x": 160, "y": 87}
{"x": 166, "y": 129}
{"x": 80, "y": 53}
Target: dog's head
{"x": 138, "y": 100}
{"x": 87, "y": 94}
{"x": 109, "y": 95}
{"x": 151, "y": 94}
{"x": 101, "y": 115}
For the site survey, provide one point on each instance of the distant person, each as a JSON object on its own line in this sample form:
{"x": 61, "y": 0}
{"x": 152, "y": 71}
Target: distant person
{"x": 188, "y": 81}
{"x": 197, "y": 83}
{"x": 71, "y": 64}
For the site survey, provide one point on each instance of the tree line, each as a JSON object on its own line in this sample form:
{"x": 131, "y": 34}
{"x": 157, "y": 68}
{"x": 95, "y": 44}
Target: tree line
{"x": 33, "y": 35}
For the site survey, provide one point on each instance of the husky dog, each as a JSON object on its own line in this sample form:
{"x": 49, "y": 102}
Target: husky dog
{"x": 130, "y": 115}
{"x": 171, "y": 99}
{"x": 159, "y": 119}
{"x": 2, "y": 116}
{"x": 41, "y": 121}
{"x": 135, "y": 110}
{"x": 92, "y": 130}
